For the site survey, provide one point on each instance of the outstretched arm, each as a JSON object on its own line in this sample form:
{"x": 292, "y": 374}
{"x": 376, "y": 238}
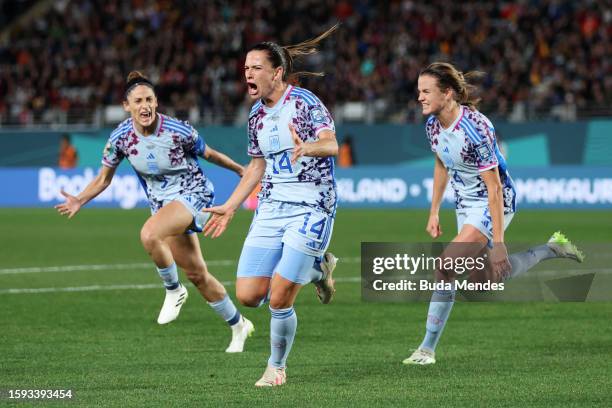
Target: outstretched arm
{"x": 439, "y": 185}
{"x": 222, "y": 160}
{"x": 73, "y": 204}
{"x": 222, "y": 215}
{"x": 499, "y": 254}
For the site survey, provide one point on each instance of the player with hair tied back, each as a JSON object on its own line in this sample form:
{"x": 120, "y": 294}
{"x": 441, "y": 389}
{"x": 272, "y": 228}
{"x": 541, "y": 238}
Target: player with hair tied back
{"x": 164, "y": 154}
{"x": 466, "y": 152}
{"x": 292, "y": 142}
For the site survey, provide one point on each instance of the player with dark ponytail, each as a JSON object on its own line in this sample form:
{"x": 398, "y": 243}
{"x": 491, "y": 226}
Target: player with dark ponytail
{"x": 292, "y": 142}
{"x": 164, "y": 153}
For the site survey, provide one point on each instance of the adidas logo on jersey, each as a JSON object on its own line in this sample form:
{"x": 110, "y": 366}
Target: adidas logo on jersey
{"x": 151, "y": 156}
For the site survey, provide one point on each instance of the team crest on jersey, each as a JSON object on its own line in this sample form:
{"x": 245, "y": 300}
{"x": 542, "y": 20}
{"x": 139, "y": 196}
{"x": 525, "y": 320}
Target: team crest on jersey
{"x": 484, "y": 152}
{"x": 274, "y": 143}
{"x": 448, "y": 161}
{"x": 317, "y": 115}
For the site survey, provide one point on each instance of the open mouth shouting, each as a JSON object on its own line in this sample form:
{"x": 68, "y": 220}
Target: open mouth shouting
{"x": 145, "y": 116}
{"x": 252, "y": 89}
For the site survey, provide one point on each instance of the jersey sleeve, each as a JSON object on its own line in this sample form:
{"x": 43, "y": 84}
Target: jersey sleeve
{"x": 253, "y": 149}
{"x": 429, "y": 139}
{"x": 194, "y": 143}
{"x": 431, "y": 134}
{"x": 320, "y": 118}
{"x": 112, "y": 154}
{"x": 484, "y": 144}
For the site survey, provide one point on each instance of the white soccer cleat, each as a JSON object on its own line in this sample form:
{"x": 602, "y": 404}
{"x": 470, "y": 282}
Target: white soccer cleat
{"x": 272, "y": 377}
{"x": 325, "y": 287}
{"x": 564, "y": 248}
{"x": 173, "y": 302}
{"x": 240, "y": 332}
{"x": 421, "y": 357}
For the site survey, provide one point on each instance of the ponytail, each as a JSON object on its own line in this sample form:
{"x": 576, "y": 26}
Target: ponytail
{"x": 286, "y": 56}
{"x": 461, "y": 83}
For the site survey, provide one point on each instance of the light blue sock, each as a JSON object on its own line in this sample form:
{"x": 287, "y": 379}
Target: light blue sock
{"x": 523, "y": 261}
{"x": 439, "y": 308}
{"x": 170, "y": 276}
{"x": 226, "y": 309}
{"x": 283, "y": 326}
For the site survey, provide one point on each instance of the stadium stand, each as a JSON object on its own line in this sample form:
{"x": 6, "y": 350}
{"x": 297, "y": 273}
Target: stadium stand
{"x": 544, "y": 58}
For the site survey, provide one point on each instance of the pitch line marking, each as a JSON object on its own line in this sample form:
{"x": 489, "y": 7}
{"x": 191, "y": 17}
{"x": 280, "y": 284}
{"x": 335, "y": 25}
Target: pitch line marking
{"x": 17, "y": 291}
{"x": 120, "y": 266}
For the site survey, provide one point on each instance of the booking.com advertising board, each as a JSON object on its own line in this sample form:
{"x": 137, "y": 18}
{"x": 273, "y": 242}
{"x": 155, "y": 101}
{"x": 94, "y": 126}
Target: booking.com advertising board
{"x": 363, "y": 187}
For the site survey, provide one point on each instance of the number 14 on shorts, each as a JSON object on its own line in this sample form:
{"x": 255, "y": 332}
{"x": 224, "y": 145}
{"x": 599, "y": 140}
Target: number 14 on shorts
{"x": 315, "y": 228}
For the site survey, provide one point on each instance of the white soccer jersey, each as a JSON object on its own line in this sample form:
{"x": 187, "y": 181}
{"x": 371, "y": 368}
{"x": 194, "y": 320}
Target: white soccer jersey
{"x": 467, "y": 148}
{"x": 310, "y": 181}
{"x": 166, "y": 161}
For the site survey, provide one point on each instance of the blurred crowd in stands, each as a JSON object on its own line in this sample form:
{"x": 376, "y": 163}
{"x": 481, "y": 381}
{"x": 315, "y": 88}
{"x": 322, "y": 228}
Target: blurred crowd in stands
{"x": 67, "y": 62}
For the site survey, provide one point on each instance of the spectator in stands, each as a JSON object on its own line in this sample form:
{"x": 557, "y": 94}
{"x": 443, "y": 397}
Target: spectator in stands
{"x": 346, "y": 154}
{"x": 536, "y": 53}
{"x": 68, "y": 156}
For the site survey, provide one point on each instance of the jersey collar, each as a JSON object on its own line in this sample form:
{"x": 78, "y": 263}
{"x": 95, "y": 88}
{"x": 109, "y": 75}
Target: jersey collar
{"x": 280, "y": 102}
{"x": 456, "y": 121}
{"x": 160, "y": 119}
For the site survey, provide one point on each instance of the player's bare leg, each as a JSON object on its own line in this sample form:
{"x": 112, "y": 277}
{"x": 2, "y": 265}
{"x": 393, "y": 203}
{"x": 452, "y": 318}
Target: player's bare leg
{"x": 188, "y": 255}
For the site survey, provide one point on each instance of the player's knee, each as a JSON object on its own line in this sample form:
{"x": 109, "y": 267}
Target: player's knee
{"x": 148, "y": 237}
{"x": 249, "y": 299}
{"x": 280, "y": 301}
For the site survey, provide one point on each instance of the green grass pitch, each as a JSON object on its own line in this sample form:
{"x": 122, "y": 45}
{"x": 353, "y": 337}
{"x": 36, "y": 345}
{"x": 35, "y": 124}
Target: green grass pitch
{"x": 105, "y": 345}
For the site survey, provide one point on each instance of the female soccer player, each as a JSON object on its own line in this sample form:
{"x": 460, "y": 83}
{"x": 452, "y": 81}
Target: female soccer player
{"x": 463, "y": 140}
{"x": 292, "y": 142}
{"x": 163, "y": 151}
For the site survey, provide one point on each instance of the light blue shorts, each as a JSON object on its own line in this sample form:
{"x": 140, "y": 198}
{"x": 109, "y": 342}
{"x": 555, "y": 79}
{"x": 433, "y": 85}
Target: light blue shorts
{"x": 480, "y": 218}
{"x": 287, "y": 239}
{"x": 302, "y": 228}
{"x": 194, "y": 203}
{"x": 289, "y": 263}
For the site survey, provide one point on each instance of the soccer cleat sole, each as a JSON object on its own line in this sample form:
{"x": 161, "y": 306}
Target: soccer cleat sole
{"x": 564, "y": 248}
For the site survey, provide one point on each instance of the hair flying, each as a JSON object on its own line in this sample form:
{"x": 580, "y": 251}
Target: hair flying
{"x": 286, "y": 56}
{"x": 461, "y": 83}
